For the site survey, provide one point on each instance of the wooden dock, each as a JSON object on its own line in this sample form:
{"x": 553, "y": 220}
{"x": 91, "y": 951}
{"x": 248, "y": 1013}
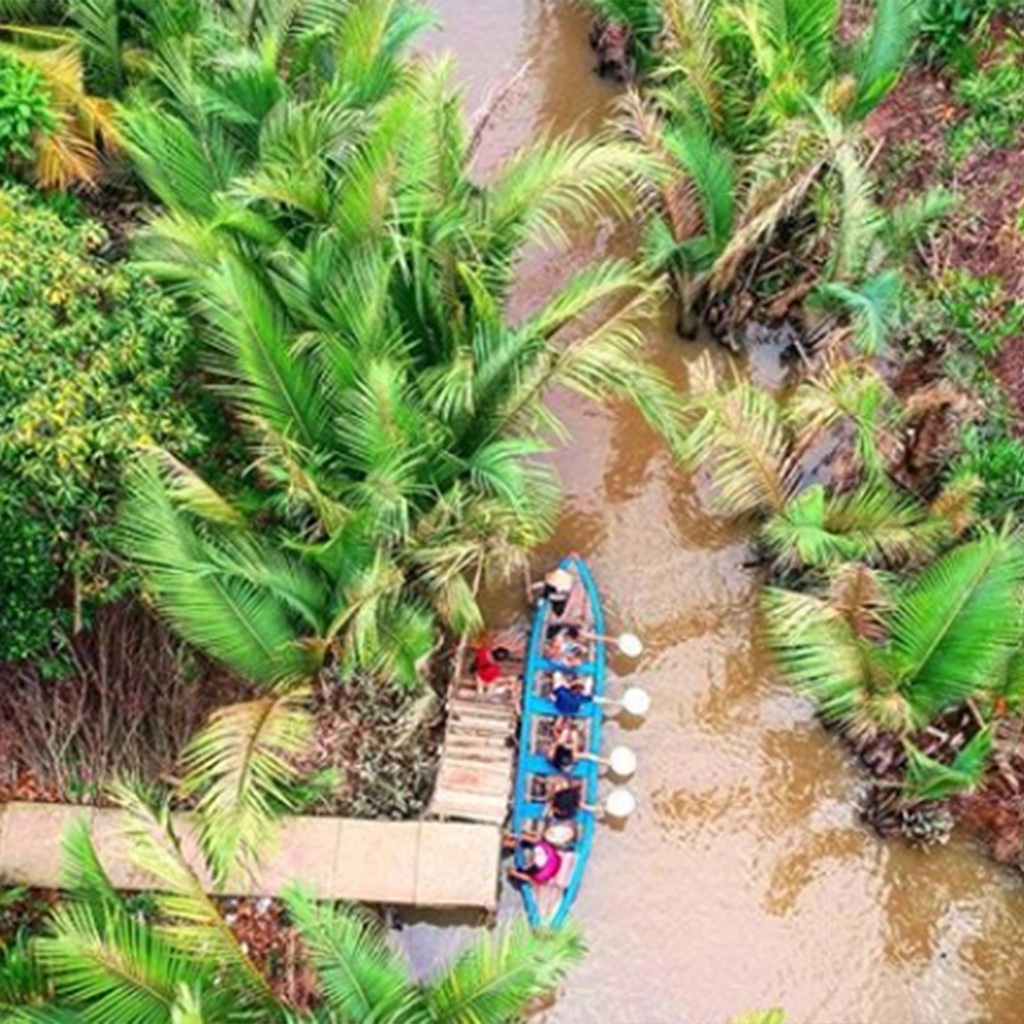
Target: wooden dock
{"x": 412, "y": 863}
{"x": 477, "y": 770}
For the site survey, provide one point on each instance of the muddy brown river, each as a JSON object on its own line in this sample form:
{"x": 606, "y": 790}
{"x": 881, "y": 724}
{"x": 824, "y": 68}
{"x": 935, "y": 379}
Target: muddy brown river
{"x": 744, "y": 880}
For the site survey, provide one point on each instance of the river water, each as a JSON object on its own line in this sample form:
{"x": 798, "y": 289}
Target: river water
{"x": 744, "y": 880}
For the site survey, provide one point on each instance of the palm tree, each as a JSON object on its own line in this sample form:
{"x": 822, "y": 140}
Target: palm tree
{"x": 180, "y": 963}
{"x": 351, "y": 279}
{"x": 759, "y": 449}
{"x": 756, "y": 108}
{"x": 947, "y": 636}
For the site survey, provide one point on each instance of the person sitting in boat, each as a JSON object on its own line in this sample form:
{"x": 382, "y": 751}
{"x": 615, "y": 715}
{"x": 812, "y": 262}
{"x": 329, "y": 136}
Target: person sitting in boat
{"x": 556, "y": 589}
{"x": 565, "y": 800}
{"x": 560, "y": 834}
{"x": 564, "y": 643}
{"x": 543, "y": 862}
{"x": 569, "y": 693}
{"x": 567, "y": 745}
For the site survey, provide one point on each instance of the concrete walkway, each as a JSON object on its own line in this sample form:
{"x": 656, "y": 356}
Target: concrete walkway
{"x": 426, "y": 864}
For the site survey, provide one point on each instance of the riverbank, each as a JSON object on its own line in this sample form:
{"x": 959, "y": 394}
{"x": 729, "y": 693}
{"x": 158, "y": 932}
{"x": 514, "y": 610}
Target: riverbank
{"x": 746, "y": 847}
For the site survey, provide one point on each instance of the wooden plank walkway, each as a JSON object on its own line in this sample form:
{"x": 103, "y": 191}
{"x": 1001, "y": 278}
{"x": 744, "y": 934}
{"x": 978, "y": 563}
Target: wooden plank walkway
{"x": 418, "y": 863}
{"x": 477, "y": 771}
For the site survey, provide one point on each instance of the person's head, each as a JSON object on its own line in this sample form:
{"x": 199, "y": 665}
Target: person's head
{"x": 501, "y": 654}
{"x": 576, "y": 685}
{"x": 572, "y": 632}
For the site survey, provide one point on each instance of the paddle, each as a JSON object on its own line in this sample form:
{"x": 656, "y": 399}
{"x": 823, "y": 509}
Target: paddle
{"x": 628, "y": 643}
{"x": 620, "y": 803}
{"x": 634, "y": 701}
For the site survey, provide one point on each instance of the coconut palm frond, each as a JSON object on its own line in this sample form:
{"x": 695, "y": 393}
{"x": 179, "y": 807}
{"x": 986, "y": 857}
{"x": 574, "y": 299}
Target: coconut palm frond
{"x": 798, "y": 534}
{"x": 848, "y": 678}
{"x": 690, "y": 62}
{"x": 794, "y": 47}
{"x": 235, "y": 598}
{"x": 556, "y": 183}
{"x": 928, "y": 779}
{"x": 711, "y": 188}
{"x": 605, "y": 281}
{"x": 874, "y": 306}
{"x": 23, "y": 981}
{"x": 110, "y": 962}
{"x": 845, "y": 394}
{"x": 910, "y": 221}
{"x": 241, "y": 768}
{"x": 191, "y": 492}
{"x": 738, "y": 431}
{"x": 501, "y": 974}
{"x": 190, "y": 919}
{"x": 362, "y": 978}
{"x": 253, "y": 337}
{"x": 754, "y": 230}
{"x": 860, "y": 219}
{"x": 881, "y": 55}
{"x": 863, "y": 596}
{"x": 956, "y": 503}
{"x": 83, "y": 873}
{"x": 369, "y": 46}
{"x": 957, "y": 624}
{"x": 884, "y": 527}
{"x": 97, "y": 30}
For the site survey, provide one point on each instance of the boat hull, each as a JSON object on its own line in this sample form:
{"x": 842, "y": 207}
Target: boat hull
{"x": 548, "y": 905}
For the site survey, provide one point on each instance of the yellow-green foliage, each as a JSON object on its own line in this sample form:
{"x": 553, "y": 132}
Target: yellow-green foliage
{"x": 90, "y": 367}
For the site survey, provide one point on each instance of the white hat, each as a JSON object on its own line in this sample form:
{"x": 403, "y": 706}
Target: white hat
{"x": 560, "y": 580}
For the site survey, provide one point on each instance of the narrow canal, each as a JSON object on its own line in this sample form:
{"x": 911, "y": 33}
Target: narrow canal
{"x": 744, "y": 880}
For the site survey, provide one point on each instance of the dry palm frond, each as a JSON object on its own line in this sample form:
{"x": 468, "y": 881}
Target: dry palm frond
{"x": 863, "y": 597}
{"x": 689, "y": 46}
{"x": 71, "y": 153}
{"x": 846, "y": 392}
{"x": 759, "y": 227}
{"x": 956, "y": 503}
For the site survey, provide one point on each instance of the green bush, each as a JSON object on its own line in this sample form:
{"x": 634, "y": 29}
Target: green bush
{"x": 950, "y": 29}
{"x": 994, "y": 98}
{"x": 24, "y": 109}
{"x": 91, "y": 359}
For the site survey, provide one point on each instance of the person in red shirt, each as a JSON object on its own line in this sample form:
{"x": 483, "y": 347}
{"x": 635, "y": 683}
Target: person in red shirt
{"x": 487, "y": 665}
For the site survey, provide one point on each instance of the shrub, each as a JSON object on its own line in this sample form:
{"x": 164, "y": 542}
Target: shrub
{"x": 950, "y": 29}
{"x": 91, "y": 360}
{"x": 994, "y": 98}
{"x": 25, "y": 110}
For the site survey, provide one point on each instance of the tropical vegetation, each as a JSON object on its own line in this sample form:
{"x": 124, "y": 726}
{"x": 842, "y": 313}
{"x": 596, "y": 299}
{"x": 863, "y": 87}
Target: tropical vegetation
{"x": 93, "y": 364}
{"x": 177, "y": 960}
{"x": 893, "y": 589}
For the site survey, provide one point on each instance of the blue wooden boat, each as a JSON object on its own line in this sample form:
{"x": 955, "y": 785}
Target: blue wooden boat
{"x": 548, "y": 904}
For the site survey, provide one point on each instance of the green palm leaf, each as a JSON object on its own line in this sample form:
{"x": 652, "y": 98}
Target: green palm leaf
{"x": 115, "y": 967}
{"x": 497, "y": 978}
{"x": 191, "y": 921}
{"x": 237, "y": 599}
{"x": 363, "y": 980}
{"x": 928, "y": 779}
{"x": 957, "y": 625}
{"x": 242, "y": 769}
{"x": 881, "y": 55}
{"x": 739, "y": 432}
